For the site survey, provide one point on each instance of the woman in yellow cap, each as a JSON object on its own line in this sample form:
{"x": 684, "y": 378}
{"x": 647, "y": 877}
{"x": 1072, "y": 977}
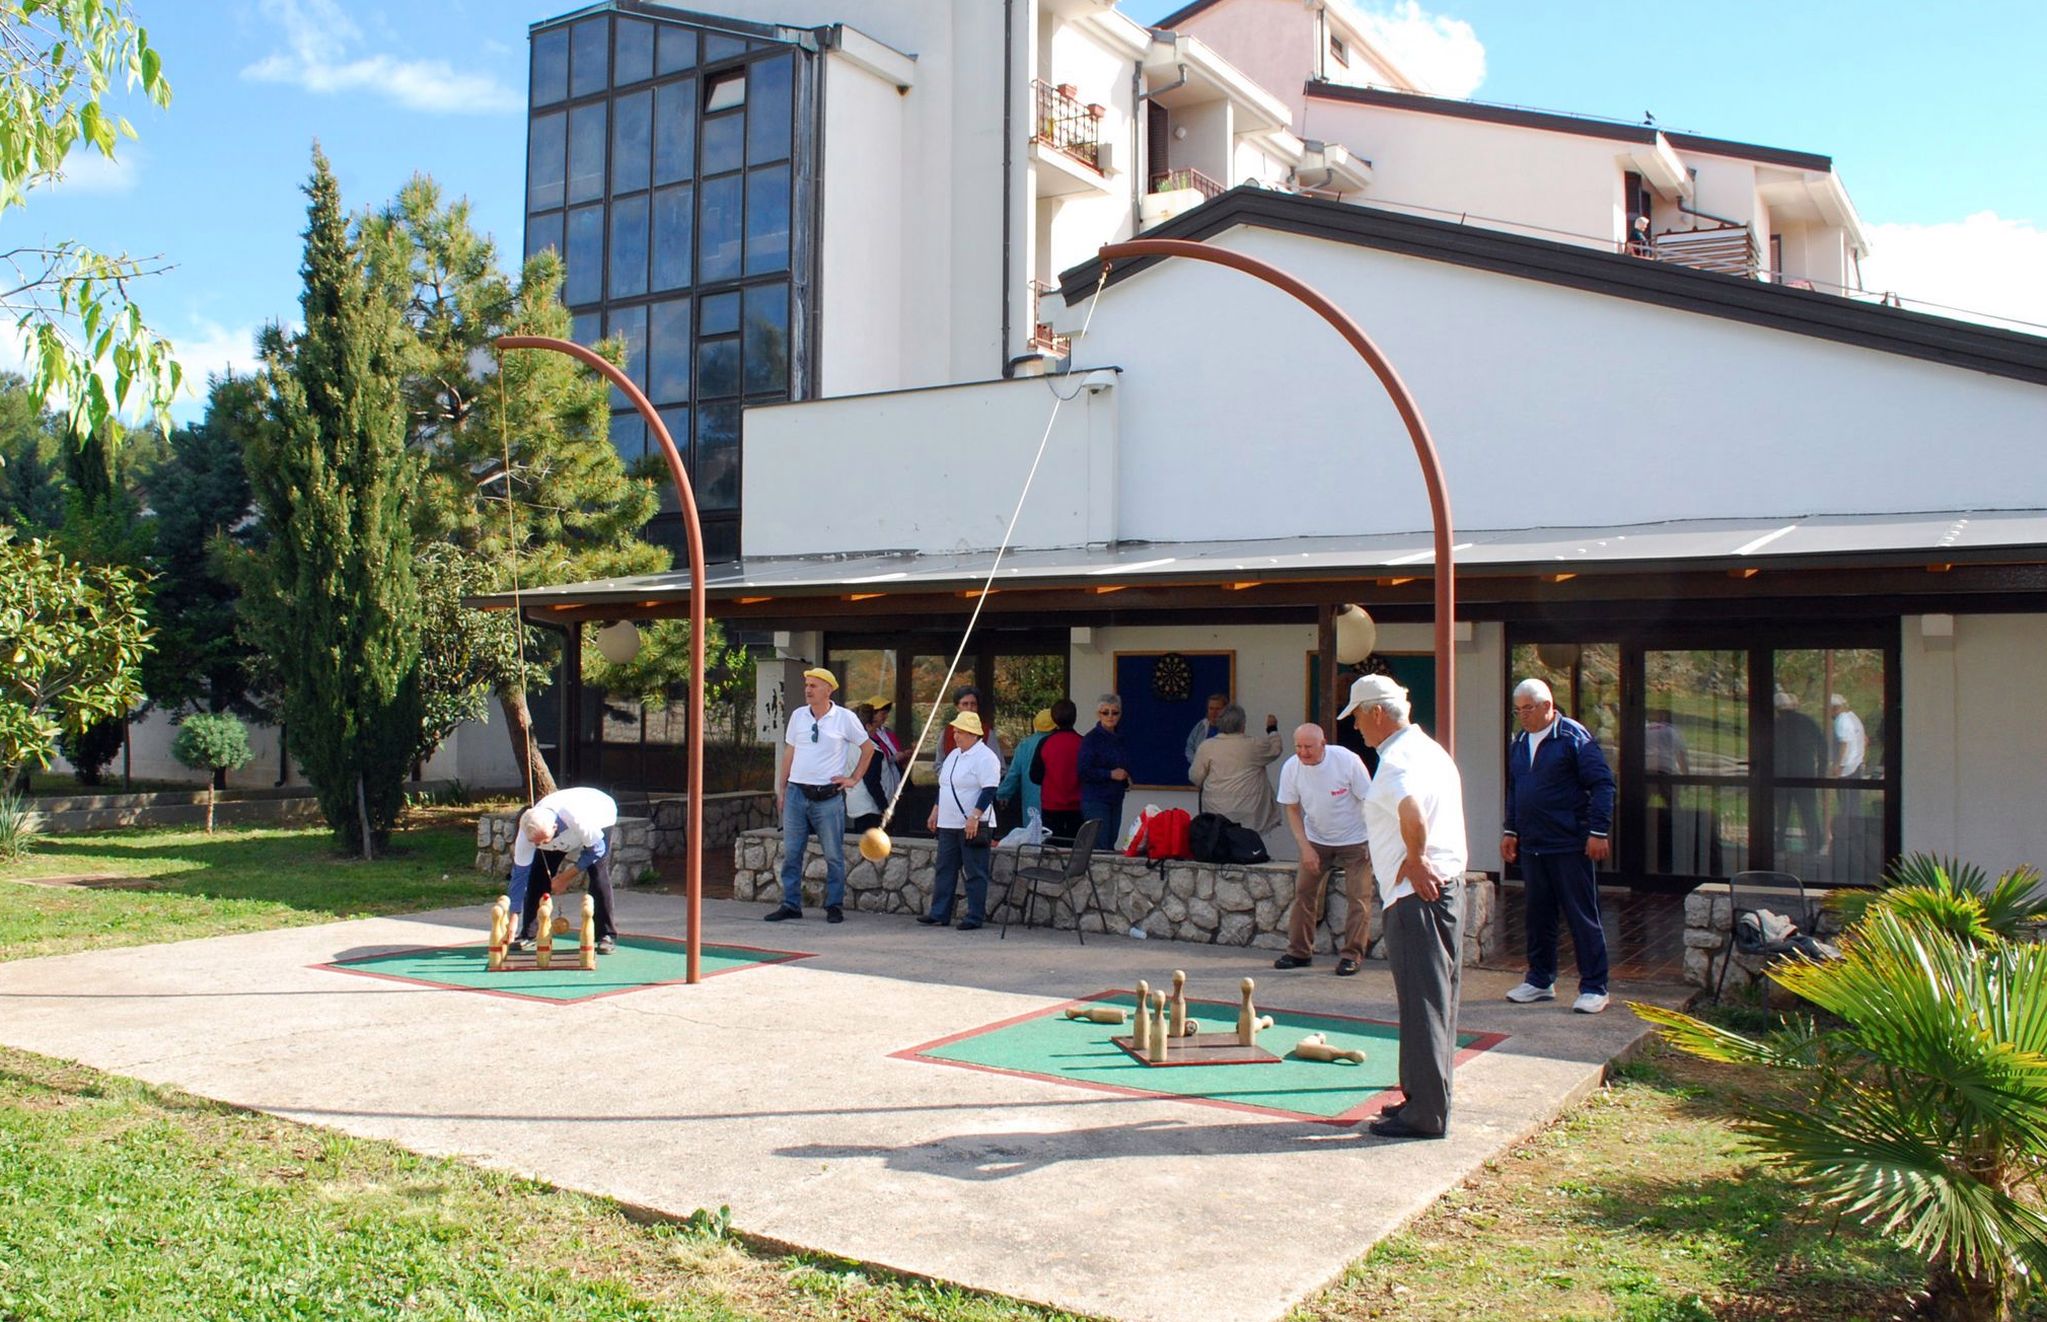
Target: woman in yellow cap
{"x": 964, "y": 820}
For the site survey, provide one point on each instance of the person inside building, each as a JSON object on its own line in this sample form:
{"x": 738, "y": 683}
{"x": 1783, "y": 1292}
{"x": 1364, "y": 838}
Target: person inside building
{"x": 1208, "y": 727}
{"x": 570, "y": 823}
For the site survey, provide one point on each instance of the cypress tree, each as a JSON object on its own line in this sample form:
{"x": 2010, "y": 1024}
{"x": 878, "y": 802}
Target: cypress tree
{"x": 332, "y": 598}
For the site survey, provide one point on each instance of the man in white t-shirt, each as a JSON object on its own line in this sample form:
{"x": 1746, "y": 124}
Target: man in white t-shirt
{"x": 1415, "y": 818}
{"x": 1322, "y": 789}
{"x": 1851, "y": 741}
{"x": 570, "y": 822}
{"x": 810, "y": 788}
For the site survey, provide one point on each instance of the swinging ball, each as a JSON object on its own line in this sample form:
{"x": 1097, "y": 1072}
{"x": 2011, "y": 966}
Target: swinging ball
{"x": 875, "y": 844}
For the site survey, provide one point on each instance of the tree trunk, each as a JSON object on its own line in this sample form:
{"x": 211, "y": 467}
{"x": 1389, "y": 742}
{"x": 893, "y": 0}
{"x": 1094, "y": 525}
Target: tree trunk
{"x": 525, "y": 753}
{"x": 1953, "y": 1296}
{"x": 362, "y": 812}
{"x": 209, "y": 807}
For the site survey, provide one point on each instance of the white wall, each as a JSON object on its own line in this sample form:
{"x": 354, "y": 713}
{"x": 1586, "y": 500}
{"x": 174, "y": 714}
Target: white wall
{"x": 1272, "y": 44}
{"x": 1971, "y": 789}
{"x": 864, "y": 342}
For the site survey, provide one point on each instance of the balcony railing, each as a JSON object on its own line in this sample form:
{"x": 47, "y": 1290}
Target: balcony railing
{"x": 1166, "y": 181}
{"x": 1043, "y": 339}
{"x": 1728, "y": 249}
{"x": 1062, "y": 123}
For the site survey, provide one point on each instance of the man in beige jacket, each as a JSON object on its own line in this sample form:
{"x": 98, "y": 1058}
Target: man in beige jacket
{"x": 1229, "y": 770}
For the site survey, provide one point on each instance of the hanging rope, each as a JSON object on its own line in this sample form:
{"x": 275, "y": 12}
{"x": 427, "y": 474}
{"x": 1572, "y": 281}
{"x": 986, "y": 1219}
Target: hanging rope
{"x": 981, "y": 598}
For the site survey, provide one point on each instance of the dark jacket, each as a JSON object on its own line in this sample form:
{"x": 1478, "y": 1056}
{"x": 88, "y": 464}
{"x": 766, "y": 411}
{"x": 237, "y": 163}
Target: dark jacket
{"x": 1565, "y": 797}
{"x": 1101, "y": 752}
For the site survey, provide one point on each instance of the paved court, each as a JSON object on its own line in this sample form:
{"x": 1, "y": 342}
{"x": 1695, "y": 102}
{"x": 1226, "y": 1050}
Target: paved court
{"x": 829, "y": 1099}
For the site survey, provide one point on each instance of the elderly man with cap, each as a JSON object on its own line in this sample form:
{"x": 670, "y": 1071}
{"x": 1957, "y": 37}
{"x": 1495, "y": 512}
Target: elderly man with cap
{"x": 1414, "y": 816}
{"x": 964, "y": 819}
{"x": 567, "y": 822}
{"x": 1559, "y": 818}
{"x": 810, "y": 786}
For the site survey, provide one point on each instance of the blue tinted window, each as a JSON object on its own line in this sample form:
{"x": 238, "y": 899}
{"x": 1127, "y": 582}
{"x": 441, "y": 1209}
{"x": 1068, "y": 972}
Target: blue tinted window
{"x": 716, "y": 471}
{"x": 585, "y": 257}
{"x": 718, "y": 314}
{"x": 674, "y": 224}
{"x": 768, "y": 109}
{"x": 630, "y": 325}
{"x": 675, "y": 131}
{"x": 718, "y": 46}
{"x": 767, "y": 220}
{"x": 546, "y": 161}
{"x": 631, "y": 129}
{"x": 677, "y": 422}
{"x": 629, "y": 246}
{"x": 724, "y": 139}
{"x": 550, "y": 67}
{"x": 585, "y": 327}
{"x": 676, "y": 49}
{"x": 589, "y": 56}
{"x": 668, "y": 353}
{"x": 633, "y": 59}
{"x": 767, "y": 340}
{"x": 718, "y": 368}
{"x": 586, "y": 153}
{"x": 718, "y": 229}
{"x": 544, "y": 232}
{"x": 629, "y": 436}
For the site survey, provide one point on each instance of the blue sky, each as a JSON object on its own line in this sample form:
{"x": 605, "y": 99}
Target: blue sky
{"x": 1931, "y": 114}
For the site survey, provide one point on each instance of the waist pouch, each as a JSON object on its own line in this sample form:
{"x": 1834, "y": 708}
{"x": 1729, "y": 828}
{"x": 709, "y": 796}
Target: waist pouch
{"x": 819, "y": 793}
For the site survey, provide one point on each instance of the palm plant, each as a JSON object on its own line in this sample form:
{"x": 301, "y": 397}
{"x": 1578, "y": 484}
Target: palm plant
{"x": 2013, "y": 904}
{"x": 1923, "y": 1110}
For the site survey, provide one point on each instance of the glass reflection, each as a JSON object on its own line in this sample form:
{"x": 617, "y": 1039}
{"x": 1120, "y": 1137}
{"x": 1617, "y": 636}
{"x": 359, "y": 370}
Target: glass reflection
{"x": 629, "y": 246}
{"x": 674, "y": 220}
{"x": 718, "y": 232}
{"x": 546, "y": 161}
{"x": 586, "y": 153}
{"x": 633, "y": 56}
{"x": 631, "y": 141}
{"x": 585, "y": 257}
{"x": 675, "y": 131}
{"x": 768, "y": 99}
{"x": 668, "y": 356}
{"x": 767, "y": 220}
{"x": 589, "y": 56}
{"x": 550, "y": 67}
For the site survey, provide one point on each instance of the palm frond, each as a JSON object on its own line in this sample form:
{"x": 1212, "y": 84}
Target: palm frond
{"x": 1696, "y": 1037}
{"x": 2016, "y": 902}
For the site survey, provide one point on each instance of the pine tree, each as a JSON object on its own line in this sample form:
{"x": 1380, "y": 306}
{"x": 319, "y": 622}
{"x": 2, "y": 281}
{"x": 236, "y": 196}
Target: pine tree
{"x": 332, "y": 599}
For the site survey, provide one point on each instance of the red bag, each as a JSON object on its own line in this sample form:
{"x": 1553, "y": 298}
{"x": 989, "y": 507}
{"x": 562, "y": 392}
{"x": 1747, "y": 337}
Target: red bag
{"x": 1162, "y": 835}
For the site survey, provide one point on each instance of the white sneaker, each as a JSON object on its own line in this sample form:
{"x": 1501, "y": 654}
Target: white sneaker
{"x": 1589, "y": 1002}
{"x": 1528, "y": 993}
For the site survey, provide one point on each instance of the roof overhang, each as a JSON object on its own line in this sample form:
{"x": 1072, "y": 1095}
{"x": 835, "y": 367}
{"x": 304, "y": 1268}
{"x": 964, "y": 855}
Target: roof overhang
{"x": 1209, "y": 76}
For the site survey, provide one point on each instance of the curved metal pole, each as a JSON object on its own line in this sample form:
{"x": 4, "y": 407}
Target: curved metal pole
{"x": 1410, "y": 413}
{"x": 693, "y": 837}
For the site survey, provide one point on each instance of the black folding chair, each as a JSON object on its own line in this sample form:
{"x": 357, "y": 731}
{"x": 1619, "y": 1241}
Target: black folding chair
{"x": 1781, "y": 893}
{"x": 1056, "y": 879}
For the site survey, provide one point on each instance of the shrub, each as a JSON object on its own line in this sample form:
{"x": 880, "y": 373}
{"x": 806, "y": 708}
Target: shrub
{"x": 90, "y": 752}
{"x": 213, "y": 742}
{"x": 20, "y": 824}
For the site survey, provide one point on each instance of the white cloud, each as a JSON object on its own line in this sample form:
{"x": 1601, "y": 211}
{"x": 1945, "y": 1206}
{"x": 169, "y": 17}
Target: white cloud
{"x": 1981, "y": 268}
{"x": 320, "y": 56}
{"x": 86, "y": 171}
{"x": 1443, "y": 55}
{"x": 213, "y": 350}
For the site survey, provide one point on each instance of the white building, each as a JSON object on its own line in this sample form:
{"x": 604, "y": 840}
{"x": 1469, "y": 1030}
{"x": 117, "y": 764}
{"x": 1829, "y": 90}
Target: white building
{"x": 1694, "y": 484}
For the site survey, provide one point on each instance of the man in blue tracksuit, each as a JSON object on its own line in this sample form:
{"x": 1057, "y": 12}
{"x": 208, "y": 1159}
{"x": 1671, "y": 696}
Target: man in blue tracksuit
{"x": 1559, "y": 818}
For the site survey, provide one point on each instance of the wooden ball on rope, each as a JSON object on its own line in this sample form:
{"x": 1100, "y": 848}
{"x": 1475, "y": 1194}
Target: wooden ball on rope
{"x": 875, "y": 844}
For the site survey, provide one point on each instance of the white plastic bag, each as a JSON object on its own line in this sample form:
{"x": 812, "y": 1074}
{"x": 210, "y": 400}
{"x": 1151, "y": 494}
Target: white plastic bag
{"x": 1032, "y": 832}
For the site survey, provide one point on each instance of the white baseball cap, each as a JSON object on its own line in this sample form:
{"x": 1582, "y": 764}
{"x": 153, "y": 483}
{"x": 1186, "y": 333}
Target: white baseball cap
{"x": 1372, "y": 688}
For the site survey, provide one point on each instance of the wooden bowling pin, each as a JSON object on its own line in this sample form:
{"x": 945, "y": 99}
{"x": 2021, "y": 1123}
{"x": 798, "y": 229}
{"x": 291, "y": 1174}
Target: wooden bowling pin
{"x": 1140, "y": 1035}
{"x": 589, "y": 951}
{"x": 1247, "y": 1017}
{"x": 1158, "y": 1028}
{"x": 1097, "y": 1014}
{"x": 543, "y": 934}
{"x": 1315, "y": 1046}
{"x": 500, "y": 932}
{"x": 1179, "y": 1003}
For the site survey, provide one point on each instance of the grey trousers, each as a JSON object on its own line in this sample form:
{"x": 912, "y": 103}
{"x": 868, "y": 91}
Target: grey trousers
{"x": 1424, "y": 943}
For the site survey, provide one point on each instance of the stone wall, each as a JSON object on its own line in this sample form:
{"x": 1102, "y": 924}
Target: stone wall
{"x": 725, "y": 817}
{"x": 631, "y": 843}
{"x": 1201, "y": 902}
{"x": 1708, "y": 912}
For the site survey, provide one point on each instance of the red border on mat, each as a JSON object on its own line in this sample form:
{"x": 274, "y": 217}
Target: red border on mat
{"x": 341, "y": 966}
{"x": 1371, "y": 1106}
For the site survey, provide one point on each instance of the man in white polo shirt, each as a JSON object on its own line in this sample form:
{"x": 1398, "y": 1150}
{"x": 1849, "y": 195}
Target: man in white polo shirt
{"x": 810, "y": 787}
{"x": 1415, "y": 818}
{"x": 1322, "y": 787}
{"x": 570, "y": 822}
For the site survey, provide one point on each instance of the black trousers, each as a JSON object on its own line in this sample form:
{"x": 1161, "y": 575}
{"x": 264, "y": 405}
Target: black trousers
{"x": 544, "y": 864}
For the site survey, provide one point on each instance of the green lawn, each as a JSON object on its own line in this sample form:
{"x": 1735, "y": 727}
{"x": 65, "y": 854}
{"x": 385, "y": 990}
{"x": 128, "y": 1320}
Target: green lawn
{"x": 236, "y": 880}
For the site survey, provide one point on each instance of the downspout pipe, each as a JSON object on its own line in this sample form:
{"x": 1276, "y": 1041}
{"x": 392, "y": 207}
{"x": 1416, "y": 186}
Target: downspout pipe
{"x": 1008, "y": 170}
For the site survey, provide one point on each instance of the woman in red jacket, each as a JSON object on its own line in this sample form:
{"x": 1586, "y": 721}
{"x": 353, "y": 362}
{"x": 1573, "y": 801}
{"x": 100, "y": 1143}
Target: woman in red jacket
{"x": 1055, "y": 769}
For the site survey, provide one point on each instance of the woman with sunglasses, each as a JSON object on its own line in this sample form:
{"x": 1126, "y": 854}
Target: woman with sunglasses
{"x": 1104, "y": 770}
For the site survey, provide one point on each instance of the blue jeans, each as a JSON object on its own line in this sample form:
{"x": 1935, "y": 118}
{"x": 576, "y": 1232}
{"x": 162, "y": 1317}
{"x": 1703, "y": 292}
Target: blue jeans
{"x": 954, "y": 854}
{"x": 1109, "y": 812}
{"x": 826, "y": 818}
{"x": 1568, "y": 880}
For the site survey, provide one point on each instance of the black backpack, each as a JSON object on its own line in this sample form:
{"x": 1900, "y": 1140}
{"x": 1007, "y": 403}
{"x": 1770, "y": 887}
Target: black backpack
{"x": 1214, "y": 838}
{"x": 1244, "y": 844}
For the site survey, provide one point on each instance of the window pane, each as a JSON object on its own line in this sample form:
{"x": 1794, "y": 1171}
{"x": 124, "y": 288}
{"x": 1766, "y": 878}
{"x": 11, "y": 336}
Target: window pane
{"x": 718, "y": 368}
{"x": 631, "y": 131}
{"x": 677, "y": 423}
{"x": 718, "y": 229}
{"x": 546, "y": 161}
{"x": 724, "y": 91}
{"x": 585, "y": 257}
{"x": 1695, "y": 724}
{"x": 767, "y": 220}
{"x": 716, "y": 472}
{"x": 585, "y": 327}
{"x": 675, "y": 49}
{"x": 1585, "y": 680}
{"x": 1850, "y": 732}
{"x": 629, "y": 436}
{"x": 628, "y": 261}
{"x": 1697, "y": 830}
{"x": 865, "y": 673}
{"x": 550, "y": 67}
{"x": 544, "y": 232}
{"x": 674, "y": 221}
{"x": 633, "y": 61}
{"x": 768, "y": 109}
{"x": 589, "y": 52}
{"x": 668, "y": 343}
{"x": 767, "y": 341}
{"x": 722, "y": 142}
{"x": 718, "y": 46}
{"x": 718, "y": 315}
{"x": 630, "y": 325}
{"x": 675, "y": 131}
{"x": 586, "y": 153}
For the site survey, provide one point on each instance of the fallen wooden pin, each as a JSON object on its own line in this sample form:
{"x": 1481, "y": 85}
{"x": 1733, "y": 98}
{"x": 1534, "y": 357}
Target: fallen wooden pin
{"x": 1315, "y": 1046}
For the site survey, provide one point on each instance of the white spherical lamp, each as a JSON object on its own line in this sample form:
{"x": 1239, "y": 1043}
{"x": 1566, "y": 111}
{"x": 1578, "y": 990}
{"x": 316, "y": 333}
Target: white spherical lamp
{"x": 1356, "y": 634}
{"x": 618, "y": 642}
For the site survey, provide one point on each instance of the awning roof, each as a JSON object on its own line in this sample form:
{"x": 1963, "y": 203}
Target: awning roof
{"x": 1714, "y": 545}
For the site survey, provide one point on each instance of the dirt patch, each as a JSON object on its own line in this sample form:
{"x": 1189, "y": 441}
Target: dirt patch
{"x": 94, "y": 881}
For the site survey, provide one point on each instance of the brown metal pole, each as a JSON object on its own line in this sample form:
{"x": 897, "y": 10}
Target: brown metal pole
{"x": 693, "y": 838}
{"x": 1403, "y": 402}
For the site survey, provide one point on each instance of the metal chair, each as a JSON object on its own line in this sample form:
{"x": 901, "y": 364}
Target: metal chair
{"x": 1752, "y": 892}
{"x": 1057, "y": 879}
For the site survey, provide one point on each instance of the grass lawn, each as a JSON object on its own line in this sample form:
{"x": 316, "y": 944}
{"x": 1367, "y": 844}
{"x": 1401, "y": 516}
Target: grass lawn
{"x": 241, "y": 879}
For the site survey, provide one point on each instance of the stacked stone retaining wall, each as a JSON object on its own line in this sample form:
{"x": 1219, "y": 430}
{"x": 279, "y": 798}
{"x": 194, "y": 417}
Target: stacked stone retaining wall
{"x": 630, "y": 841}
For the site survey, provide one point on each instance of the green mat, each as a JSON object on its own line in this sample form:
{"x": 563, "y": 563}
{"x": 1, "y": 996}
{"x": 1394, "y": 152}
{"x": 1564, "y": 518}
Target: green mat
{"x": 1047, "y": 1045}
{"x": 639, "y": 961}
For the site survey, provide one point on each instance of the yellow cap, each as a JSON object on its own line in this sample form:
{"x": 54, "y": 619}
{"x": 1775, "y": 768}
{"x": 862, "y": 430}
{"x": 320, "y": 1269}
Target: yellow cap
{"x": 880, "y": 703}
{"x": 819, "y": 672}
{"x": 1042, "y": 722}
{"x": 969, "y": 722}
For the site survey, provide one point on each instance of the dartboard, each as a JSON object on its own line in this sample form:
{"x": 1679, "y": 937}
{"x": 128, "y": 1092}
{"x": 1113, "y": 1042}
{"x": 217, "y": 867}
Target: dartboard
{"x": 1172, "y": 679}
